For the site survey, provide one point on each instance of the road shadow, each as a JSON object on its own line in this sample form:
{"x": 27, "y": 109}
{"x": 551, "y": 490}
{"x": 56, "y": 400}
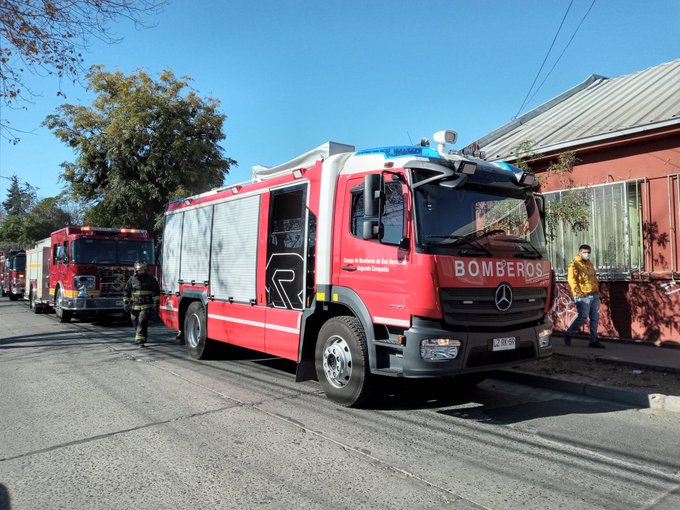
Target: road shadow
{"x": 5, "y": 500}
{"x": 527, "y": 411}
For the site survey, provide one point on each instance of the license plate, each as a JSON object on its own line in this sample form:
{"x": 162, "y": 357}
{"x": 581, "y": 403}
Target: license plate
{"x": 504, "y": 344}
{"x": 119, "y": 303}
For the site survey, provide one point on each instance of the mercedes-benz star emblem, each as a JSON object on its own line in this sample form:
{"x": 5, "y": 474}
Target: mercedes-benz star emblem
{"x": 503, "y": 297}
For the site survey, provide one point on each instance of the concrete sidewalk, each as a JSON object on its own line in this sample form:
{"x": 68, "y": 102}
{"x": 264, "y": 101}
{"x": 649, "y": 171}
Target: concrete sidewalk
{"x": 643, "y": 355}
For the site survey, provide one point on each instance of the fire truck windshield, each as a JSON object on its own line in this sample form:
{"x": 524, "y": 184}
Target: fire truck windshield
{"x": 473, "y": 222}
{"x": 111, "y": 251}
{"x": 19, "y": 263}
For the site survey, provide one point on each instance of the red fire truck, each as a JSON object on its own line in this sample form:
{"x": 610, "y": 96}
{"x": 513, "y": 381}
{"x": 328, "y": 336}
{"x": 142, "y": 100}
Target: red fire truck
{"x": 13, "y": 268}
{"x": 396, "y": 262}
{"x": 80, "y": 270}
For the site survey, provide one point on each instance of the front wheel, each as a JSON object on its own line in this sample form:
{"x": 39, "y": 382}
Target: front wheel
{"x": 195, "y": 332}
{"x": 62, "y": 315}
{"x": 341, "y": 361}
{"x": 14, "y": 297}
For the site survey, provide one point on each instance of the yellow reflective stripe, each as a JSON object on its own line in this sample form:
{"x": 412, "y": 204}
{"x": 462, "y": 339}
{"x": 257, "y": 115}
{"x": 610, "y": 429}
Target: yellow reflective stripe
{"x": 142, "y": 307}
{"x": 141, "y": 292}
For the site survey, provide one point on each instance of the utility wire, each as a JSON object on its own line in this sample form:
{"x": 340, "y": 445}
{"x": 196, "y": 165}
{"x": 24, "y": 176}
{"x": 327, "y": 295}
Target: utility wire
{"x": 545, "y": 59}
{"x": 565, "y": 49}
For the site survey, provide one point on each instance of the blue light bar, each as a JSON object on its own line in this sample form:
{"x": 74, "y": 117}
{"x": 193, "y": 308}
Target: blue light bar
{"x": 401, "y": 151}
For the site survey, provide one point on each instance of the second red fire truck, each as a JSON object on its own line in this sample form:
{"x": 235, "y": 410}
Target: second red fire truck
{"x": 12, "y": 274}
{"x": 80, "y": 270}
{"x": 394, "y": 262}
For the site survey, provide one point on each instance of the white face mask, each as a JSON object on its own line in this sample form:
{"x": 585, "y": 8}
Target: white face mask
{"x": 585, "y": 256}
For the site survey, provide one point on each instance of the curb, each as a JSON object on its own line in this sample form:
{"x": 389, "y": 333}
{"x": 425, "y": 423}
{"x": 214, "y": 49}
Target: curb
{"x": 657, "y": 401}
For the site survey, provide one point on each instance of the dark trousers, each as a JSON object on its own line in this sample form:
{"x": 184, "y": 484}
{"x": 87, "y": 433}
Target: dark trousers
{"x": 140, "y": 321}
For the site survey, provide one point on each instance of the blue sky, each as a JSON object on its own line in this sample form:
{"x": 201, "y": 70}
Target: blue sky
{"x": 291, "y": 75}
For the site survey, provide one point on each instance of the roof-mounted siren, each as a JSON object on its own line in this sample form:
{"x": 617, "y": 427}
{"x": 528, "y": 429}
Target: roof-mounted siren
{"x": 442, "y": 138}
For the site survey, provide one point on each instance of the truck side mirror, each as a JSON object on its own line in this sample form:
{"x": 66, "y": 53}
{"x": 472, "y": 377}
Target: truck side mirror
{"x": 61, "y": 254}
{"x": 372, "y": 194}
{"x": 372, "y": 229}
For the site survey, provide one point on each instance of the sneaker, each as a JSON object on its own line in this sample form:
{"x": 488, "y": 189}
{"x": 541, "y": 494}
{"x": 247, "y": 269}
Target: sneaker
{"x": 567, "y": 339}
{"x": 596, "y": 345}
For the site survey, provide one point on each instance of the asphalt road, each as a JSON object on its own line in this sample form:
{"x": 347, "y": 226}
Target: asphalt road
{"x": 89, "y": 421}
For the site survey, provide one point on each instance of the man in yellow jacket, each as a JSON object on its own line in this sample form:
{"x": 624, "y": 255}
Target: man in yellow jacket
{"x": 585, "y": 290}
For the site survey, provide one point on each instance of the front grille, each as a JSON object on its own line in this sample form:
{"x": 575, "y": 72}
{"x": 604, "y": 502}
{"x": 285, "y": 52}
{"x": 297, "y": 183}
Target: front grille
{"x": 476, "y": 307}
{"x": 112, "y": 280}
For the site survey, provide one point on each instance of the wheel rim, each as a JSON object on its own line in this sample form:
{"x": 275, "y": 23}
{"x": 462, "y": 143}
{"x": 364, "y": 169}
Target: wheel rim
{"x": 193, "y": 331}
{"x": 337, "y": 362}
{"x": 57, "y": 304}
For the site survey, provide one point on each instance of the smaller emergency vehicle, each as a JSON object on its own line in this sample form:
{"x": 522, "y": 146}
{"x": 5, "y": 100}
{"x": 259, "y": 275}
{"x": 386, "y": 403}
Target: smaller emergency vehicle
{"x": 13, "y": 274}
{"x": 79, "y": 270}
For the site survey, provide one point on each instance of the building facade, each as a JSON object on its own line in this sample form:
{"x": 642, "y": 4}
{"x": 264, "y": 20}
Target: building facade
{"x": 607, "y": 153}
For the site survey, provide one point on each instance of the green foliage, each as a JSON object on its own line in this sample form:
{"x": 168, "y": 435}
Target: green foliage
{"x": 524, "y": 152}
{"x": 572, "y": 207}
{"x": 20, "y": 198}
{"x": 11, "y": 233}
{"x": 141, "y": 143}
{"x": 46, "y": 217}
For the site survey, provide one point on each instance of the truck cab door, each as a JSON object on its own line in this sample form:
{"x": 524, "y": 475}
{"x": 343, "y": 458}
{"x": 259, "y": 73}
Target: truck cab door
{"x": 377, "y": 270}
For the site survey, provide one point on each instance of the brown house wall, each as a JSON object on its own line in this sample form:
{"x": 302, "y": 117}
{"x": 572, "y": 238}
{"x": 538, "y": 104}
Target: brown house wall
{"x": 648, "y": 306}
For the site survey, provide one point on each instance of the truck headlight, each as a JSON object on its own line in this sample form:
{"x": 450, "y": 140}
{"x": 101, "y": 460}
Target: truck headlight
{"x": 84, "y": 283}
{"x": 544, "y": 337}
{"x": 439, "y": 349}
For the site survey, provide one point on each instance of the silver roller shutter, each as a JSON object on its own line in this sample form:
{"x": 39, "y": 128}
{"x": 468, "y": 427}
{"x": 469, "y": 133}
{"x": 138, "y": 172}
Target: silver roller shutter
{"x": 172, "y": 236}
{"x": 196, "y": 245}
{"x": 234, "y": 249}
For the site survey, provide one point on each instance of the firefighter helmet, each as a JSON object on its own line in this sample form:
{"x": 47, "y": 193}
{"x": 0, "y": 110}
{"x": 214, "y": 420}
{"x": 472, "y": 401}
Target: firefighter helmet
{"x": 140, "y": 265}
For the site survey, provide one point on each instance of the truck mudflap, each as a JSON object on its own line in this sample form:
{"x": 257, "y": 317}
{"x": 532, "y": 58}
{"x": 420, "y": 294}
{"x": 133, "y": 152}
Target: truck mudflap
{"x": 476, "y": 351}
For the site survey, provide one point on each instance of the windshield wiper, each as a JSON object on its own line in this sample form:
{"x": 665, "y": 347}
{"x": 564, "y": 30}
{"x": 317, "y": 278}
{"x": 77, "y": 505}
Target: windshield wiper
{"x": 455, "y": 240}
{"x": 533, "y": 253}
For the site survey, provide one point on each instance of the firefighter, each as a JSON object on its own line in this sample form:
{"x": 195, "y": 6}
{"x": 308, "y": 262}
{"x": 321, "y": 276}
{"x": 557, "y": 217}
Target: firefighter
{"x": 140, "y": 299}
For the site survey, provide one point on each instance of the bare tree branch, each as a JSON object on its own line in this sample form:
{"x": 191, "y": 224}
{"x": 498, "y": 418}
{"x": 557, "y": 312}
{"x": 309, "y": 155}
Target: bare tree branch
{"x": 49, "y": 38}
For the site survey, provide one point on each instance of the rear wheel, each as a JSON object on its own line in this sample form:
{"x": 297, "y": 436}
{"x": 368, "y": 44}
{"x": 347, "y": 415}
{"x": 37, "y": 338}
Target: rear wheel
{"x": 195, "y": 332}
{"x": 13, "y": 297}
{"x": 31, "y": 302}
{"x": 62, "y": 315}
{"x": 341, "y": 361}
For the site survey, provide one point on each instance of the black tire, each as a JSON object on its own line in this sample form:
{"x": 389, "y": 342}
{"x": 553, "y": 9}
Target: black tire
{"x": 14, "y": 297}
{"x": 62, "y": 315}
{"x": 341, "y": 361}
{"x": 196, "y": 333}
{"x": 31, "y": 302}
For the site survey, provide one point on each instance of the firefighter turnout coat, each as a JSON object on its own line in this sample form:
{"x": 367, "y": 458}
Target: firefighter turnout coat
{"x": 142, "y": 292}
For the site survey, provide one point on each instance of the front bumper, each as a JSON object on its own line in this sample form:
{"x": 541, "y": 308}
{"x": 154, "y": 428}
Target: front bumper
{"x": 475, "y": 354}
{"x": 93, "y": 304}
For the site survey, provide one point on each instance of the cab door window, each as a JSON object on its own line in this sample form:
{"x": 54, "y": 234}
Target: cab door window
{"x": 392, "y": 218}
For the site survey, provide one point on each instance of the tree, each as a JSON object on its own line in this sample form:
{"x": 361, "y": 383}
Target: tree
{"x": 572, "y": 207}
{"x": 48, "y": 37}
{"x": 46, "y": 217}
{"x": 140, "y": 144}
{"x": 11, "y": 231}
{"x": 20, "y": 198}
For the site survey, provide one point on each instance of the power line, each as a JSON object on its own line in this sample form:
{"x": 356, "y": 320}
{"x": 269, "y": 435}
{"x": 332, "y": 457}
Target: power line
{"x": 565, "y": 49}
{"x": 545, "y": 59}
